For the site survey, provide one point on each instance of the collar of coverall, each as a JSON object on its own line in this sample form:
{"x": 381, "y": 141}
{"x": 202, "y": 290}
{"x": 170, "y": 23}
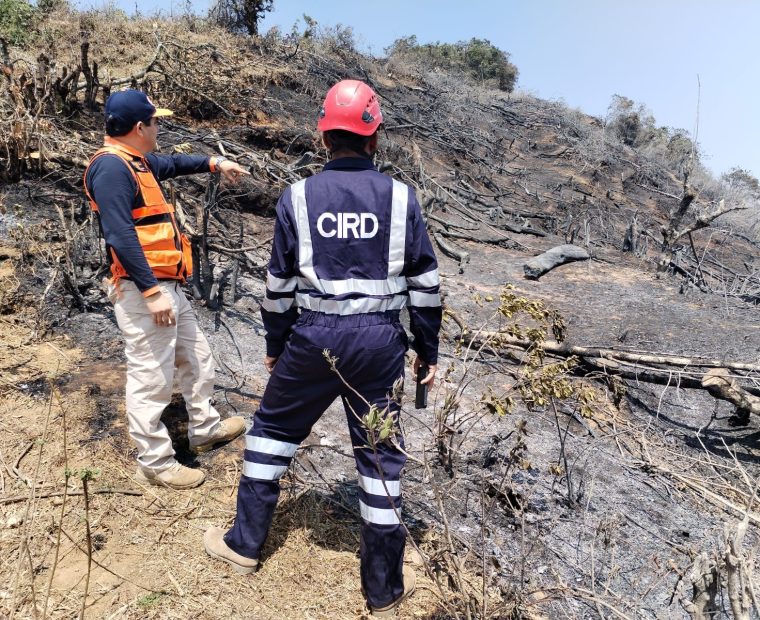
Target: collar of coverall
{"x": 350, "y": 163}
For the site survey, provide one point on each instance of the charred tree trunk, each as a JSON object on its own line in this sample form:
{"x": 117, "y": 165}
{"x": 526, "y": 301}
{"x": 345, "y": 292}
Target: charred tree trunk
{"x": 670, "y": 232}
{"x": 452, "y": 252}
{"x": 691, "y": 372}
{"x": 90, "y": 76}
{"x": 630, "y": 242}
{"x": 203, "y": 273}
{"x": 236, "y": 268}
{"x": 721, "y": 385}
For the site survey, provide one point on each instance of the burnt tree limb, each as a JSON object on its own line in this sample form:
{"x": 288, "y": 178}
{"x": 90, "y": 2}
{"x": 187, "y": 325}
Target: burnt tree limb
{"x": 543, "y": 263}
{"x": 675, "y": 229}
{"x": 452, "y": 252}
{"x": 674, "y": 370}
{"x": 721, "y": 384}
{"x": 522, "y": 230}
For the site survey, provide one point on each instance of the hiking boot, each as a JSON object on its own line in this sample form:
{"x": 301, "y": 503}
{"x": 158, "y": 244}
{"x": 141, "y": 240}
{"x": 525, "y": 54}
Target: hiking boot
{"x": 213, "y": 542}
{"x": 175, "y": 477}
{"x": 389, "y": 611}
{"x": 226, "y": 431}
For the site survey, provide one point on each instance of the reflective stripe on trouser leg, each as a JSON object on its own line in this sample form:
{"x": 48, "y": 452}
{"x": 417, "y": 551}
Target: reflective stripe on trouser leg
{"x": 195, "y": 367}
{"x": 263, "y": 466}
{"x": 149, "y": 349}
{"x": 379, "y": 471}
{"x": 300, "y": 388}
{"x": 382, "y": 535}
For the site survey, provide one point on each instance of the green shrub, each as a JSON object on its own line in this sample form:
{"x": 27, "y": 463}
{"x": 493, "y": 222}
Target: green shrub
{"x": 632, "y": 123}
{"x": 17, "y": 19}
{"x": 50, "y": 6}
{"x": 477, "y": 58}
{"x": 487, "y": 62}
{"x": 740, "y": 178}
{"x": 681, "y": 152}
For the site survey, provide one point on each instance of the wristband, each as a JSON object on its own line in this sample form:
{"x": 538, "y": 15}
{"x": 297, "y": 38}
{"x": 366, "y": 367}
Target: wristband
{"x": 214, "y": 163}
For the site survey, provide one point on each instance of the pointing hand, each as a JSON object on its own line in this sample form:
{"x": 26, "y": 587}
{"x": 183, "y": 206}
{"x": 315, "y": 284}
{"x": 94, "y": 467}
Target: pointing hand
{"x": 232, "y": 171}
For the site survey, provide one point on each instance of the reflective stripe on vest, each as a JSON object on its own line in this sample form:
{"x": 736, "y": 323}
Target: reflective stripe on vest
{"x": 166, "y": 249}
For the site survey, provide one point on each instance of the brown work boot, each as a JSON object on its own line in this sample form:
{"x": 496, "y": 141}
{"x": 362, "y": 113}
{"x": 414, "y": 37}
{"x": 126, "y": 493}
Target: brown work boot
{"x": 389, "y": 611}
{"x": 213, "y": 541}
{"x": 175, "y": 477}
{"x": 226, "y": 431}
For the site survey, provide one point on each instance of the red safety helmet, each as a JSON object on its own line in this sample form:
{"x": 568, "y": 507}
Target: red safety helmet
{"x": 352, "y": 106}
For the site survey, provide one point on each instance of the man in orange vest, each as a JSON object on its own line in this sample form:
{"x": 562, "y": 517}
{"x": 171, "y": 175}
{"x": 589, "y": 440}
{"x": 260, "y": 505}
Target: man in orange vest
{"x": 150, "y": 258}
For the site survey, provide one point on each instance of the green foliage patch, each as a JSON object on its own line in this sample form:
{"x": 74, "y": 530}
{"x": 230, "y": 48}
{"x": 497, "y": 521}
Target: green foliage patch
{"x": 17, "y": 19}
{"x": 477, "y": 58}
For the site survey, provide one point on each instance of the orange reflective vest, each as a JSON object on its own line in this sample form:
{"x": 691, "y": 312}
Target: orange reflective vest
{"x": 166, "y": 249}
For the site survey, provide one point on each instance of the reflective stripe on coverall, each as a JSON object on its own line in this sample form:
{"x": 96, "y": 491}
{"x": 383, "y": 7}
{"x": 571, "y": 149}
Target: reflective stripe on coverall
{"x": 357, "y": 320}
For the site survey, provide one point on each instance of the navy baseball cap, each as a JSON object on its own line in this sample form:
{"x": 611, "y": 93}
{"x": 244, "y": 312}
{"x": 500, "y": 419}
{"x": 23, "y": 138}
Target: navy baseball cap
{"x": 126, "y": 108}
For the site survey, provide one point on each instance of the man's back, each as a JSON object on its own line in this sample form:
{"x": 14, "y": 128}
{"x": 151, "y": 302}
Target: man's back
{"x": 350, "y": 210}
{"x": 350, "y": 249}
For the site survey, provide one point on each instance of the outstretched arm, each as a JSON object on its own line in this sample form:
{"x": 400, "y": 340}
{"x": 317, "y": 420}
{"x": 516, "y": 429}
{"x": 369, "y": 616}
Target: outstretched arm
{"x": 179, "y": 164}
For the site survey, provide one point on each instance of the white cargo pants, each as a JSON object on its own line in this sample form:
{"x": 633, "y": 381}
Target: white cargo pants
{"x": 153, "y": 352}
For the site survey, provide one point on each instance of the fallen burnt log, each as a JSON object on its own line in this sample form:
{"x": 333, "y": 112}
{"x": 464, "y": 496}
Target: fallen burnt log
{"x": 452, "y": 252}
{"x": 543, "y": 263}
{"x": 721, "y": 385}
{"x": 522, "y": 230}
{"x": 720, "y": 377}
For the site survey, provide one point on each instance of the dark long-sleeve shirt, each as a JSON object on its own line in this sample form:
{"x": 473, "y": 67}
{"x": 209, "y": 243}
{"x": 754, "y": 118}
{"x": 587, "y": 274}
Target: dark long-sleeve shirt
{"x": 361, "y": 246}
{"x": 114, "y": 190}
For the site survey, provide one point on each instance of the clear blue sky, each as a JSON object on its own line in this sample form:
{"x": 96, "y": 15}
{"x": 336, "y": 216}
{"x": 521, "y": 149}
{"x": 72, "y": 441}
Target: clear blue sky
{"x": 584, "y": 51}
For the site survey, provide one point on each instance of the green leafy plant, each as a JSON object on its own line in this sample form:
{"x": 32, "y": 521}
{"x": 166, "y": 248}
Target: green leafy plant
{"x": 240, "y": 15}
{"x": 477, "y": 58}
{"x": 17, "y": 18}
{"x": 49, "y": 6}
{"x": 149, "y": 600}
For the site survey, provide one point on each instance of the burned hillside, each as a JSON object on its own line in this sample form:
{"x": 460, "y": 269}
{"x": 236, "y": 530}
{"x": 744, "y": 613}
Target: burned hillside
{"x": 591, "y": 450}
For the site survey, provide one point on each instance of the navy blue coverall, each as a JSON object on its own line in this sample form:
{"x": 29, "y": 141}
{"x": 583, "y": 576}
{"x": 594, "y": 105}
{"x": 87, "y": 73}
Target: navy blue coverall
{"x": 350, "y": 251}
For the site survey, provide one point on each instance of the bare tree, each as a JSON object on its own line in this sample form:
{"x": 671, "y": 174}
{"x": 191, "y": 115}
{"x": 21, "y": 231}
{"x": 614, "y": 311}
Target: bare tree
{"x": 683, "y": 221}
{"x": 240, "y": 15}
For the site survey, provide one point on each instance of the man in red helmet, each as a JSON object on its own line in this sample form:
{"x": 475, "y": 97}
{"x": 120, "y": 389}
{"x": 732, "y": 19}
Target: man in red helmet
{"x": 350, "y": 251}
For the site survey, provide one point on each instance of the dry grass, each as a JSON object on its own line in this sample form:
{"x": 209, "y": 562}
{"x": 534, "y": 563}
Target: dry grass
{"x": 201, "y": 72}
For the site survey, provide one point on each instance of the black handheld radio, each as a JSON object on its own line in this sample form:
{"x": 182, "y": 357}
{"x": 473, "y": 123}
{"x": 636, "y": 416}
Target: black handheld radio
{"x": 420, "y": 399}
